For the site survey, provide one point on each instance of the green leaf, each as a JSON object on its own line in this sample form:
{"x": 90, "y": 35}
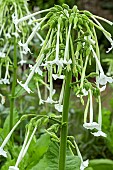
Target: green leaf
{"x": 50, "y": 160}
{"x": 19, "y": 91}
{"x": 5, "y": 130}
{"x": 36, "y": 151}
{"x": 101, "y": 164}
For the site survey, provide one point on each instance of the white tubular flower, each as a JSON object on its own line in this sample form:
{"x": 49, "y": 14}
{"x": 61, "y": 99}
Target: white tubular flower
{"x": 66, "y": 53}
{"x": 57, "y": 43}
{"x": 57, "y": 61}
{"x": 84, "y": 164}
{"x": 37, "y": 70}
{"x": 22, "y": 61}
{"x": 29, "y": 141}
{"x": 25, "y": 85}
{"x": 103, "y": 19}
{"x": 91, "y": 125}
{"x": 25, "y": 45}
{"x": 2, "y": 152}
{"x": 16, "y": 21}
{"x": 39, "y": 94}
{"x": 5, "y": 80}
{"x": 107, "y": 35}
{"x": 2, "y": 99}
{"x": 103, "y": 79}
{"x": 99, "y": 133}
{"x": 20, "y": 154}
{"x": 59, "y": 106}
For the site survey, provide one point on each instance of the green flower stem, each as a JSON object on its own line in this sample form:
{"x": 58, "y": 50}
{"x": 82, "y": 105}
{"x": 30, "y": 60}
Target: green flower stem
{"x": 12, "y": 100}
{"x": 64, "y": 127}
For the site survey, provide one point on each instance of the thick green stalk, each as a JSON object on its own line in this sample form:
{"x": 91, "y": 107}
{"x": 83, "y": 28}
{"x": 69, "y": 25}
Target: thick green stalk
{"x": 12, "y": 100}
{"x": 64, "y": 128}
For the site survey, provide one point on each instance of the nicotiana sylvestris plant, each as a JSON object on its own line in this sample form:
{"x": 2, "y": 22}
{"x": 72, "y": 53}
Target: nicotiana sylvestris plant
{"x": 69, "y": 47}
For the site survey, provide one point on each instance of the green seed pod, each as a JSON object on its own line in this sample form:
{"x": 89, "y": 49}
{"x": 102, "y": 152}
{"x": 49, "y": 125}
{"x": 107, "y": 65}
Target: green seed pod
{"x": 49, "y": 14}
{"x": 59, "y": 7}
{"x": 75, "y": 9}
{"x": 89, "y": 14}
{"x": 75, "y": 22}
{"x": 65, "y": 6}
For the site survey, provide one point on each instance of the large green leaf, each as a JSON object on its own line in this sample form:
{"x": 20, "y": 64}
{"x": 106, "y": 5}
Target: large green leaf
{"x": 36, "y": 151}
{"x": 101, "y": 164}
{"x": 50, "y": 160}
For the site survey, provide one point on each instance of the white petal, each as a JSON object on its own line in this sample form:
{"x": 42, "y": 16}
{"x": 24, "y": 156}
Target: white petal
{"x": 91, "y": 126}
{"x": 22, "y": 62}
{"x": 67, "y": 62}
{"x": 49, "y": 100}
{"x": 85, "y": 92}
{"x": 55, "y": 76}
{"x": 15, "y": 34}
{"x": 99, "y": 133}
{"x": 39, "y": 71}
{"x": 13, "y": 168}
{"x": 59, "y": 107}
{"x": 102, "y": 88}
{"x": 109, "y": 79}
{"x": 84, "y": 164}
{"x": 5, "y": 81}
{"x": 25, "y": 86}
{"x": 3, "y": 153}
{"x": 2, "y": 55}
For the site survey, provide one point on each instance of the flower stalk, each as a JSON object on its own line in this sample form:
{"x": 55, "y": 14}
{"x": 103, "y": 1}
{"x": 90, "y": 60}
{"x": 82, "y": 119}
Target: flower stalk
{"x": 64, "y": 127}
{"x": 12, "y": 100}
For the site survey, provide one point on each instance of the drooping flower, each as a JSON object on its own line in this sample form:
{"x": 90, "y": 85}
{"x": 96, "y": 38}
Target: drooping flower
{"x": 103, "y": 79}
{"x": 84, "y": 164}
{"x": 107, "y": 34}
{"x": 59, "y": 106}
{"x": 2, "y": 152}
{"x": 91, "y": 125}
{"x": 99, "y": 132}
{"x": 25, "y": 85}
{"x": 25, "y": 45}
